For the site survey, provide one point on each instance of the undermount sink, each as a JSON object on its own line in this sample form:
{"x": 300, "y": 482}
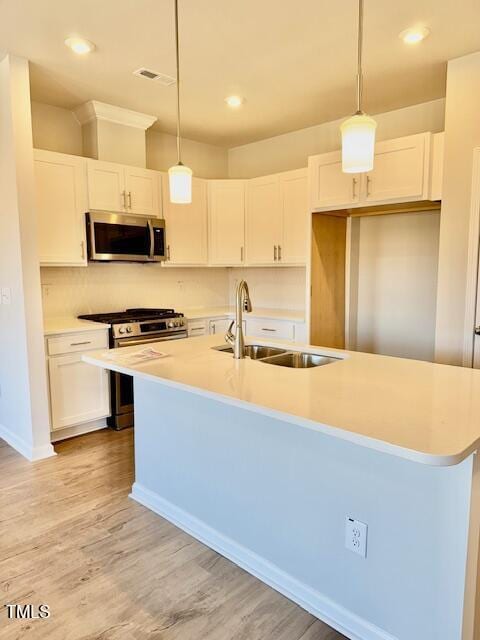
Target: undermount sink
{"x": 282, "y": 357}
{"x": 254, "y": 351}
{"x": 299, "y": 360}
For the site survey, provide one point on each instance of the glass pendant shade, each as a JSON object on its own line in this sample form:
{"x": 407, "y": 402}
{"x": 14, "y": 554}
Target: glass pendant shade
{"x": 180, "y": 183}
{"x": 358, "y": 143}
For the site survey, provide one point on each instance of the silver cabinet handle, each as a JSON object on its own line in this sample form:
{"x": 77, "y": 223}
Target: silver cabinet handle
{"x": 124, "y": 196}
{"x": 79, "y": 344}
{"x": 241, "y": 254}
{"x": 267, "y": 329}
{"x": 279, "y": 252}
{"x": 354, "y": 188}
{"x": 214, "y": 327}
{"x": 168, "y": 252}
{"x": 129, "y": 199}
{"x": 82, "y": 249}
{"x": 369, "y": 180}
{"x": 275, "y": 252}
{"x": 477, "y": 331}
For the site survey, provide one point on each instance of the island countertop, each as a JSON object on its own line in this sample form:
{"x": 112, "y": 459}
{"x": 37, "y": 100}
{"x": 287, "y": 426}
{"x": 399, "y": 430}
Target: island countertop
{"x": 424, "y": 412}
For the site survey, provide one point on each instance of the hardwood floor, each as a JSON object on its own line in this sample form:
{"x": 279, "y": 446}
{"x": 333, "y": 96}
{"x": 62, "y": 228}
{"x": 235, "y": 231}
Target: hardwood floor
{"x": 110, "y": 569}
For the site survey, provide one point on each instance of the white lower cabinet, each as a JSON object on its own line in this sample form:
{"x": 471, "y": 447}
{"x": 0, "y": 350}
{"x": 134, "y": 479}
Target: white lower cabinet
{"x": 218, "y": 326}
{"x": 197, "y": 328}
{"x": 267, "y": 328}
{"x": 79, "y": 392}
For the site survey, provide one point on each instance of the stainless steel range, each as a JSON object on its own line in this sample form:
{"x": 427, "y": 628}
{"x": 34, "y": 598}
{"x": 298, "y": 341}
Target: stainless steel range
{"x": 131, "y": 328}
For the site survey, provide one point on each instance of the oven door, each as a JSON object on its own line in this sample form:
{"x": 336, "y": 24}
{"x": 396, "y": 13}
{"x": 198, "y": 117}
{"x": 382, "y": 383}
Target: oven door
{"x": 114, "y": 236}
{"x": 121, "y": 384}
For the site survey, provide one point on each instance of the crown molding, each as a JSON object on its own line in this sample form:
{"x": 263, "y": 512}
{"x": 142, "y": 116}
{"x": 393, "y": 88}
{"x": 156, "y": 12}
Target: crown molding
{"x": 94, "y": 110}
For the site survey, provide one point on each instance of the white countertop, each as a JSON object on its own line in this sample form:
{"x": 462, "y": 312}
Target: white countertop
{"x": 54, "y": 326}
{"x": 291, "y": 315}
{"x": 420, "y": 411}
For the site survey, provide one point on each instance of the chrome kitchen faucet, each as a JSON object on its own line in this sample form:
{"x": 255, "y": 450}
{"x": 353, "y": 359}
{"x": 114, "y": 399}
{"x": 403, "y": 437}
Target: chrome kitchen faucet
{"x": 242, "y": 303}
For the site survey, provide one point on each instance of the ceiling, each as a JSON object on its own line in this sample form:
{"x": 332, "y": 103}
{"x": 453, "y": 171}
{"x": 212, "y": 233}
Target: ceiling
{"x": 293, "y": 61}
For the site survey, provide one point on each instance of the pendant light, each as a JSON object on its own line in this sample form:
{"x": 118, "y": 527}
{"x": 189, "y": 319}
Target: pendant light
{"x": 179, "y": 176}
{"x": 358, "y": 132}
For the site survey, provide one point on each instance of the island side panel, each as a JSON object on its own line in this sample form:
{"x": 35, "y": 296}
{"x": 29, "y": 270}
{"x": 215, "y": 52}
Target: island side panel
{"x": 273, "y": 497}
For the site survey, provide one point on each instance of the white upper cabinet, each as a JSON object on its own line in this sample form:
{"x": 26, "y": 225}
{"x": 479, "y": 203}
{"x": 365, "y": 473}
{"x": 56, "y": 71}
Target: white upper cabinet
{"x": 401, "y": 170}
{"x": 186, "y": 226}
{"x": 61, "y": 197}
{"x": 115, "y": 187}
{"x": 277, "y": 219}
{"x": 401, "y": 173}
{"x": 263, "y": 233}
{"x": 106, "y": 186}
{"x": 329, "y": 186}
{"x": 143, "y": 189}
{"x": 226, "y": 222}
{"x": 294, "y": 207}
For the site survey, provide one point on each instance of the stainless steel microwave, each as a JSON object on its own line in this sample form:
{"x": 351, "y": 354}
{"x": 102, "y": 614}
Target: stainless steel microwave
{"x": 115, "y": 236}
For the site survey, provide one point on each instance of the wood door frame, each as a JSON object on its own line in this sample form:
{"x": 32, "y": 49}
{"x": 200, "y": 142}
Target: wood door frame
{"x": 472, "y": 265}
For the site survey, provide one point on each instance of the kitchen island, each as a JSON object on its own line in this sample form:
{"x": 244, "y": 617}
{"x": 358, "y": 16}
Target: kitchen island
{"x": 265, "y": 464}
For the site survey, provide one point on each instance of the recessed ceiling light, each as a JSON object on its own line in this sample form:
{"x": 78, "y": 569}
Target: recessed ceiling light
{"x": 414, "y": 35}
{"x": 234, "y": 101}
{"x": 80, "y": 45}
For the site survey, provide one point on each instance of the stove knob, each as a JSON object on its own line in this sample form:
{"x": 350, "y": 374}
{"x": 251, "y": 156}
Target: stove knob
{"x": 121, "y": 330}
{"x": 171, "y": 324}
{"x": 129, "y": 329}
{"x": 178, "y": 323}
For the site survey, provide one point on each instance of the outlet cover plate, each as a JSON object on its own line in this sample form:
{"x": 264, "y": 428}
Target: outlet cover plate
{"x": 356, "y": 536}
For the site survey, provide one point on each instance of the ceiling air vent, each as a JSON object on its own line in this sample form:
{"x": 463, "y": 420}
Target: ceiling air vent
{"x": 162, "y": 78}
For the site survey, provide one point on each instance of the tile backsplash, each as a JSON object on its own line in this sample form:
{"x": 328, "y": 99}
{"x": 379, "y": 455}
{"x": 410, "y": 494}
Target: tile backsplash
{"x": 115, "y": 287}
{"x": 70, "y": 291}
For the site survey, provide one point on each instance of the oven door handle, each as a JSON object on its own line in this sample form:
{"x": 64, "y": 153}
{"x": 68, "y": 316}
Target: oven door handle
{"x": 152, "y": 240}
{"x": 140, "y": 341}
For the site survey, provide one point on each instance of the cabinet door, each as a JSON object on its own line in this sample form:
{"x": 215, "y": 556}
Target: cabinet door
{"x": 263, "y": 220}
{"x": 79, "y": 392}
{"x": 106, "y": 186}
{"x": 294, "y": 203}
{"x": 330, "y": 188}
{"x": 400, "y": 172}
{"x": 141, "y": 186}
{"x": 218, "y": 326}
{"x": 61, "y": 196}
{"x": 226, "y": 222}
{"x": 186, "y": 226}
{"x": 197, "y": 328}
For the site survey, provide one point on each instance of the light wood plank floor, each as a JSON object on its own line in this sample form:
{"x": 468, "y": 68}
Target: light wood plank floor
{"x": 112, "y": 570}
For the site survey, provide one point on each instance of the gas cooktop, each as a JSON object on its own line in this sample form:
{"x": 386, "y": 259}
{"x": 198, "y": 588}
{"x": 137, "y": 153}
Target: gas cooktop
{"x": 132, "y": 315}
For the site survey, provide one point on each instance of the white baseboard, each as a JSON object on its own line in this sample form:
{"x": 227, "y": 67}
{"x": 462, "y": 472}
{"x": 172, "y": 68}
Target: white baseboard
{"x": 317, "y": 604}
{"x": 24, "y": 448}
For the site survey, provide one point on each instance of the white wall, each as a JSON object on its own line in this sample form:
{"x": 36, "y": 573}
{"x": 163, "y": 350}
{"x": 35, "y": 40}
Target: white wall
{"x": 272, "y": 288}
{"x": 206, "y": 160}
{"x": 291, "y": 150}
{"x": 24, "y": 417}
{"x": 57, "y": 129}
{"x": 116, "y": 287}
{"x": 393, "y": 284}
{"x": 462, "y": 134}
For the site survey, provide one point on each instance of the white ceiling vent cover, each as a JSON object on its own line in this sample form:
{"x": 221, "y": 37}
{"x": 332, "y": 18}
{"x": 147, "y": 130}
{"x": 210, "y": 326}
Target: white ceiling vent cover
{"x": 162, "y": 78}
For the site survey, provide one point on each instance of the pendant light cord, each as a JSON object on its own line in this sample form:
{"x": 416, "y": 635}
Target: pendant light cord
{"x": 359, "y": 59}
{"x": 178, "y": 84}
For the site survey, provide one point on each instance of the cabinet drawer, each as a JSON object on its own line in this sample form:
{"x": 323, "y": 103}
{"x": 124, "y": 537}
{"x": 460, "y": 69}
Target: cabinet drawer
{"x": 197, "y": 328}
{"x": 270, "y": 329}
{"x": 72, "y": 342}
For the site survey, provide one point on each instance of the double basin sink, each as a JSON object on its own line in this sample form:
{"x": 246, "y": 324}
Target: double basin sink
{"x": 282, "y": 357}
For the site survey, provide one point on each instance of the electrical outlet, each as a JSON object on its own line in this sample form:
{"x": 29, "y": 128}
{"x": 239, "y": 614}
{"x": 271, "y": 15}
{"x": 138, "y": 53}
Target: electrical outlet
{"x": 356, "y": 536}
{"x": 6, "y": 295}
